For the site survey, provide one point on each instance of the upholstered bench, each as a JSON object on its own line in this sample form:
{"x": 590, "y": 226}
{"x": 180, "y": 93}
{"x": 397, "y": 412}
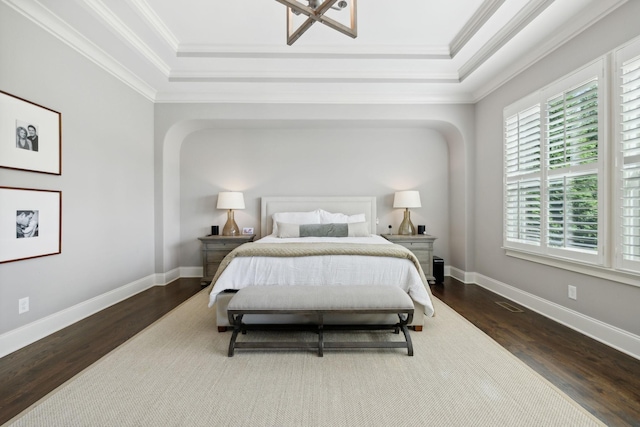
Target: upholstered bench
{"x": 318, "y": 301}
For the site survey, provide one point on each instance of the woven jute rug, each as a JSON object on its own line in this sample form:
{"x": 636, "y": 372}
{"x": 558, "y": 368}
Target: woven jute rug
{"x": 177, "y": 373}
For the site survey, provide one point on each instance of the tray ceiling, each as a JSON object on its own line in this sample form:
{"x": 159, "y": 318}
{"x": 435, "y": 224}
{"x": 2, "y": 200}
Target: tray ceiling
{"x": 407, "y": 51}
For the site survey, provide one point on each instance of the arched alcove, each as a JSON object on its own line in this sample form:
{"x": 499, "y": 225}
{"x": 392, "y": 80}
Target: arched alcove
{"x": 455, "y": 124}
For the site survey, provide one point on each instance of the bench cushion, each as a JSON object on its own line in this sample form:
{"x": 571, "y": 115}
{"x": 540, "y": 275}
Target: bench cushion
{"x": 344, "y": 297}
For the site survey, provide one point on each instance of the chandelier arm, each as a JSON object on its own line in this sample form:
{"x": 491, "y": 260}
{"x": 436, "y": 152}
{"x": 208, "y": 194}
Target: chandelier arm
{"x": 339, "y": 27}
{"x": 291, "y": 38}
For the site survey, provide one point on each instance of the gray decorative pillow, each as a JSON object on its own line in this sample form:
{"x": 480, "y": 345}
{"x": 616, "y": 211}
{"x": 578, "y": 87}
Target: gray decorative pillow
{"x": 324, "y": 230}
{"x": 357, "y": 229}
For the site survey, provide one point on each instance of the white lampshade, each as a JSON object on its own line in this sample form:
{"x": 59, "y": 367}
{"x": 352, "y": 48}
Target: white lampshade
{"x": 230, "y": 200}
{"x": 407, "y": 199}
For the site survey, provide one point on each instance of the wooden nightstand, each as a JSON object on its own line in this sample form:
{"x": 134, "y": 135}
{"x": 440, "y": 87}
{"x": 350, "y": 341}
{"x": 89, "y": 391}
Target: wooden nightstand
{"x": 422, "y": 247}
{"x": 214, "y": 249}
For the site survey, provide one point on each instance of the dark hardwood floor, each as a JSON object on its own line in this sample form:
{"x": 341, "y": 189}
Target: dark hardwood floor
{"x": 602, "y": 380}
{"x": 30, "y": 373}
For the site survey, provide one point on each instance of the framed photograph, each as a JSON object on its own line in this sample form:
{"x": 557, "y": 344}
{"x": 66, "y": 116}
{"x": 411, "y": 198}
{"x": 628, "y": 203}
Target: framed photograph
{"x": 30, "y": 136}
{"x": 30, "y": 223}
{"x": 247, "y": 230}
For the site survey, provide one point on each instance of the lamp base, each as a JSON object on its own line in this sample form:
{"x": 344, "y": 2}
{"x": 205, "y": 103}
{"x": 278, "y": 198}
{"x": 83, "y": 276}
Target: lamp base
{"x": 406, "y": 226}
{"x": 230, "y": 228}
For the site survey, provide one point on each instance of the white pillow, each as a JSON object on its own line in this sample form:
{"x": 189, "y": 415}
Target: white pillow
{"x": 312, "y": 217}
{"x": 359, "y": 229}
{"x": 340, "y": 218}
{"x": 287, "y": 230}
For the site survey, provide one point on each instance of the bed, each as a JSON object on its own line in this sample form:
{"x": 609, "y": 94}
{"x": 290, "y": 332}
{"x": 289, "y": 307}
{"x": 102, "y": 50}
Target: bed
{"x": 281, "y": 257}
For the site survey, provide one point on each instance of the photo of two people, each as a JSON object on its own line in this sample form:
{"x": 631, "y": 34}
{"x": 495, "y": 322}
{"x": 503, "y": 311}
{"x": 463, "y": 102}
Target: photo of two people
{"x": 26, "y": 136}
{"x": 26, "y": 224}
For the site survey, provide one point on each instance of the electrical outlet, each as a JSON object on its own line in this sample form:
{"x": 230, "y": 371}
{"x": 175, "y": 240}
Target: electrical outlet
{"x": 23, "y": 305}
{"x": 573, "y": 292}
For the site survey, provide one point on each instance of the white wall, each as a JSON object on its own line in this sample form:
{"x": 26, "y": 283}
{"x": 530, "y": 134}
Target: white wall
{"x": 606, "y": 301}
{"x": 313, "y": 162}
{"x": 106, "y": 182}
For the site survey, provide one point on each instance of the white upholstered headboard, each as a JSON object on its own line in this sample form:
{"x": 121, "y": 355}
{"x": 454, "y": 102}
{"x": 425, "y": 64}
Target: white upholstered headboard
{"x": 343, "y": 204}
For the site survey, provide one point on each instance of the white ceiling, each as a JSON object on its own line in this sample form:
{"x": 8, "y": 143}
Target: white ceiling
{"x": 407, "y": 51}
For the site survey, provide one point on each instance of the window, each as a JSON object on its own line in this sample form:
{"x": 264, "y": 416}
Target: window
{"x": 572, "y": 173}
{"x": 553, "y": 169}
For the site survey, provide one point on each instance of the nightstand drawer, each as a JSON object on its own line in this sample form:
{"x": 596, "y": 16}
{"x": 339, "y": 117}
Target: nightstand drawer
{"x": 215, "y": 256}
{"x": 417, "y": 245}
{"x": 422, "y": 254}
{"x": 214, "y": 249}
{"x": 222, "y": 246}
{"x": 421, "y": 245}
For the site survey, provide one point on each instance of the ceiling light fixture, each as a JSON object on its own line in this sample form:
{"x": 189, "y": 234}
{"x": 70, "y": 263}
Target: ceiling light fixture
{"x": 315, "y": 12}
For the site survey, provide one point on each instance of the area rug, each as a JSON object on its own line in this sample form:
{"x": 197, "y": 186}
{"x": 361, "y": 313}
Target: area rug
{"x": 177, "y": 373}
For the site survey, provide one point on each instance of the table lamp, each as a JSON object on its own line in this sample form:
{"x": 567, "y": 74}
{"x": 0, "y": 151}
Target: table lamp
{"x": 230, "y": 200}
{"x": 406, "y": 200}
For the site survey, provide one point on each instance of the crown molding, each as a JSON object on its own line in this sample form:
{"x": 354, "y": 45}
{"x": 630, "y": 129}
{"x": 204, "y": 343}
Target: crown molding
{"x": 477, "y": 21}
{"x": 48, "y": 21}
{"x": 143, "y": 8}
{"x": 319, "y": 52}
{"x": 121, "y": 29}
{"x": 568, "y": 32}
{"x": 517, "y": 24}
{"x": 297, "y": 77}
{"x": 320, "y": 97}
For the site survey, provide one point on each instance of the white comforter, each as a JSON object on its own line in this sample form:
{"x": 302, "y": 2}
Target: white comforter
{"x": 324, "y": 270}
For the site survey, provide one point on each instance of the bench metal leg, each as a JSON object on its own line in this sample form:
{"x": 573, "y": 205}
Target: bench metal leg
{"x": 237, "y": 323}
{"x": 405, "y": 331}
{"x": 403, "y": 325}
{"x": 320, "y": 335}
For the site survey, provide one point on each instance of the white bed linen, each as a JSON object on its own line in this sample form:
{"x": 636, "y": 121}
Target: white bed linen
{"x": 324, "y": 270}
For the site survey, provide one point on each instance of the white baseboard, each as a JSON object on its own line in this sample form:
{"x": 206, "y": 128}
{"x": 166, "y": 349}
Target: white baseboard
{"x": 32, "y": 332}
{"x": 612, "y": 336}
{"x": 190, "y": 271}
{"x": 168, "y": 277}
{"x": 460, "y": 275}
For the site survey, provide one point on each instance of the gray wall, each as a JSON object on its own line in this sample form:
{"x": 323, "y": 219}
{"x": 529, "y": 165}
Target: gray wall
{"x": 611, "y": 302}
{"x": 312, "y": 162}
{"x": 106, "y": 182}
{"x": 175, "y": 125}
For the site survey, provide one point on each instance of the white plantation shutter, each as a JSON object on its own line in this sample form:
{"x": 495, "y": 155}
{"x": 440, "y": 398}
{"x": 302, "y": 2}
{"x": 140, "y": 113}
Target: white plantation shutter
{"x": 552, "y": 169}
{"x": 572, "y": 123}
{"x": 573, "y": 213}
{"x": 572, "y": 168}
{"x": 522, "y": 169}
{"x": 523, "y": 211}
{"x": 628, "y": 142}
{"x": 522, "y": 134}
